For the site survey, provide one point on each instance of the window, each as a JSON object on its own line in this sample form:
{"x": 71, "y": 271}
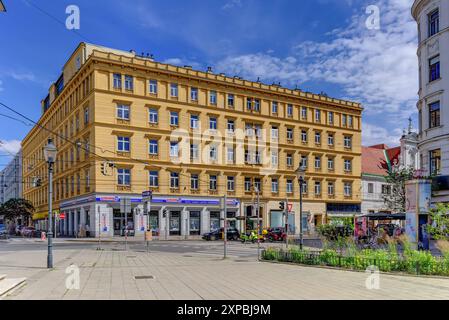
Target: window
{"x": 124, "y": 177}
{"x": 123, "y": 112}
{"x": 129, "y": 85}
{"x": 247, "y": 184}
{"x": 434, "y": 114}
{"x": 257, "y": 184}
{"x": 343, "y": 120}
{"x": 304, "y": 113}
{"x": 174, "y": 149}
{"x": 257, "y": 105}
{"x": 174, "y": 118}
{"x": 317, "y": 115}
{"x": 434, "y": 68}
{"x": 213, "y": 97}
{"x": 304, "y": 136}
{"x": 347, "y": 189}
{"x": 350, "y": 121}
{"x": 289, "y": 110}
{"x": 386, "y": 189}
{"x": 249, "y": 104}
{"x": 212, "y": 182}
{"x": 174, "y": 90}
{"x": 290, "y": 134}
{"x": 213, "y": 123}
{"x": 87, "y": 176}
{"x": 194, "y": 152}
{"x": 274, "y": 185}
{"x": 213, "y": 153}
{"x": 304, "y": 188}
{"x": 317, "y": 188}
{"x": 153, "y": 86}
{"x": 194, "y": 182}
{"x": 154, "y": 179}
{"x": 289, "y": 186}
{"x": 174, "y": 180}
{"x": 86, "y": 115}
{"x": 330, "y": 139}
{"x": 154, "y": 147}
{"x": 435, "y": 162}
{"x": 117, "y": 81}
{"x": 434, "y": 22}
{"x": 230, "y": 155}
{"x": 194, "y": 94}
{"x": 330, "y": 188}
{"x": 230, "y": 100}
{"x": 348, "y": 165}
{"x": 317, "y": 137}
{"x": 330, "y": 118}
{"x": 330, "y": 164}
{"x": 370, "y": 188}
{"x": 274, "y": 158}
{"x": 274, "y": 107}
{"x": 153, "y": 116}
{"x": 289, "y": 160}
{"x": 194, "y": 121}
{"x": 231, "y": 126}
{"x": 317, "y": 162}
{"x": 231, "y": 183}
{"x": 274, "y": 133}
{"x": 347, "y": 141}
{"x": 304, "y": 161}
{"x": 123, "y": 144}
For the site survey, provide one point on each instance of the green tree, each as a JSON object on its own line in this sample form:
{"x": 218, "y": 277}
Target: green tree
{"x": 396, "y": 177}
{"x": 439, "y": 229}
{"x": 17, "y": 208}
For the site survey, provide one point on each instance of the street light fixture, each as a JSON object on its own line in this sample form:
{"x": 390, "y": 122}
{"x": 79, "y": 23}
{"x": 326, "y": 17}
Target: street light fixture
{"x": 50, "y": 152}
{"x": 300, "y": 174}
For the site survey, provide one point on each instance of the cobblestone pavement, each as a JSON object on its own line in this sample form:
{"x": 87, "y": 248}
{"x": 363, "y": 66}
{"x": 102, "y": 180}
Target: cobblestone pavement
{"x": 111, "y": 274}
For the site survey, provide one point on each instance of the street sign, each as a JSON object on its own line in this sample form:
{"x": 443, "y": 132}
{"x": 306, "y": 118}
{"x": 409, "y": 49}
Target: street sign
{"x": 62, "y": 216}
{"x": 290, "y": 207}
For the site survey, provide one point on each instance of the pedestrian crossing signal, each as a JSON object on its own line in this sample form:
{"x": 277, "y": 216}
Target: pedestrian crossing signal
{"x": 282, "y": 205}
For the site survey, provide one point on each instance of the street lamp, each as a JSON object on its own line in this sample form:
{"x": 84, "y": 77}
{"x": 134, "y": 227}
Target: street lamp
{"x": 300, "y": 174}
{"x": 50, "y": 152}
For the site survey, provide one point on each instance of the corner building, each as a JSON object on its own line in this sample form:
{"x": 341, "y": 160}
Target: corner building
{"x": 124, "y": 124}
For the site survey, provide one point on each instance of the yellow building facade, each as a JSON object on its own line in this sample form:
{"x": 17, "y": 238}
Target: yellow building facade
{"x": 124, "y": 124}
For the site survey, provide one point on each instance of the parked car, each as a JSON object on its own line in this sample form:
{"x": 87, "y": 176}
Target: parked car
{"x": 28, "y": 232}
{"x": 276, "y": 234}
{"x": 232, "y": 234}
{"x": 3, "y": 232}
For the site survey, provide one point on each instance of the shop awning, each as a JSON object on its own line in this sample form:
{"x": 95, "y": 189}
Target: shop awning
{"x": 40, "y": 216}
{"x": 384, "y": 216}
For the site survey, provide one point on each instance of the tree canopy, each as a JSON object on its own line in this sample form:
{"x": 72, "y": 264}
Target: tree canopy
{"x": 16, "y": 208}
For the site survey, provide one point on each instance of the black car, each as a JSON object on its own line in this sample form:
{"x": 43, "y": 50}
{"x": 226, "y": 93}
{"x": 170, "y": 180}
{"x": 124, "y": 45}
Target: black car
{"x": 232, "y": 234}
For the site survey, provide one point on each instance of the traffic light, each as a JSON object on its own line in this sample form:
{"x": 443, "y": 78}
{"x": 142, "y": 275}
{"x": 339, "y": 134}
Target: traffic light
{"x": 103, "y": 168}
{"x": 282, "y": 205}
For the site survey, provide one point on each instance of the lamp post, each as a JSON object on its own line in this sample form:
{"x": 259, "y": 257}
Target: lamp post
{"x": 300, "y": 174}
{"x": 50, "y": 152}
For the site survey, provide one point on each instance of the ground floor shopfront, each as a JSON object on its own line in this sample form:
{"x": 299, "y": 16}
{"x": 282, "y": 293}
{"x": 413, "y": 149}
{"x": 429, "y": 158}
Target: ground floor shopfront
{"x": 171, "y": 217}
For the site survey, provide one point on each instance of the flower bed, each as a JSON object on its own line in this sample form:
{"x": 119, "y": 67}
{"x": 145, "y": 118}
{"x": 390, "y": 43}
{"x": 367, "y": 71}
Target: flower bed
{"x": 412, "y": 262}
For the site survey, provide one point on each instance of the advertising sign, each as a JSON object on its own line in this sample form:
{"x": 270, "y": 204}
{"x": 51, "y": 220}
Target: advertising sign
{"x": 104, "y": 222}
{"x": 411, "y": 226}
{"x": 410, "y": 196}
{"x": 425, "y": 194}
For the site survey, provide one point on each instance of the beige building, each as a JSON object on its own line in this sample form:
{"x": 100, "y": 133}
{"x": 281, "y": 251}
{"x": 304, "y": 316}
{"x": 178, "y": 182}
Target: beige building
{"x": 124, "y": 124}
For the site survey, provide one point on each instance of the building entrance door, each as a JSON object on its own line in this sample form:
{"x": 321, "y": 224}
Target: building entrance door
{"x": 119, "y": 222}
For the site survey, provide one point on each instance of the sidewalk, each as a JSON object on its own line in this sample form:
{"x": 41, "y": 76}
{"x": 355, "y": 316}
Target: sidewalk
{"x": 161, "y": 275}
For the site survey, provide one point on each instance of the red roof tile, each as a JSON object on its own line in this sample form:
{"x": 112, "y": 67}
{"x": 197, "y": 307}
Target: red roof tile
{"x": 374, "y": 161}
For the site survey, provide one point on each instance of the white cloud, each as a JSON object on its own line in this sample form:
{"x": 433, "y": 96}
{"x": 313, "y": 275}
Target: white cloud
{"x": 182, "y": 62}
{"x": 378, "y": 68}
{"x": 26, "y": 76}
{"x": 373, "y": 134}
{"x": 232, "y": 4}
{"x": 10, "y": 146}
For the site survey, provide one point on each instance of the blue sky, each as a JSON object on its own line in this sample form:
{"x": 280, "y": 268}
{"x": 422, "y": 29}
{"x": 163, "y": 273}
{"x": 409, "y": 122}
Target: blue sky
{"x": 319, "y": 45}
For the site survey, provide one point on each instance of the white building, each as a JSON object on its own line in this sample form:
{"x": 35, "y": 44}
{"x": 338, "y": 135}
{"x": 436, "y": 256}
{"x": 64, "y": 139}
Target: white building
{"x": 376, "y": 161}
{"x": 11, "y": 176}
{"x": 432, "y": 17}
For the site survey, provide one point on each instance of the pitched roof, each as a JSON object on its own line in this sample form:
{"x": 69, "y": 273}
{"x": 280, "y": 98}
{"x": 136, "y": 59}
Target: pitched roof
{"x": 2, "y": 6}
{"x": 374, "y": 161}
